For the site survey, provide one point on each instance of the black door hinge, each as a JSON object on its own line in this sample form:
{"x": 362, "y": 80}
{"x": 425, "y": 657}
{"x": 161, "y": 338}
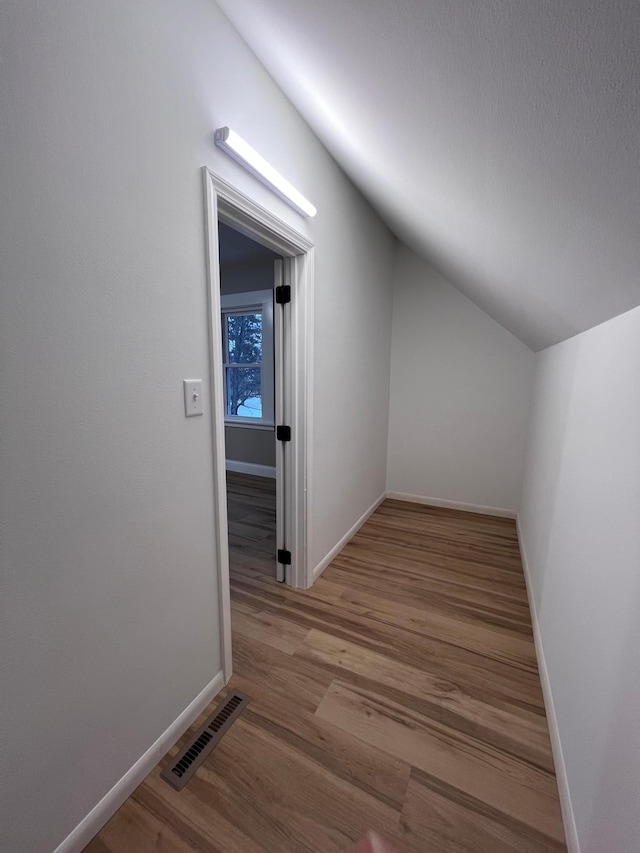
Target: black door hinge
{"x": 284, "y": 557}
{"x": 283, "y": 294}
{"x": 283, "y": 433}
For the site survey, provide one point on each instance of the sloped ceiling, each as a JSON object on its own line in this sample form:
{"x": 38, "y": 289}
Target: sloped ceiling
{"x": 500, "y": 139}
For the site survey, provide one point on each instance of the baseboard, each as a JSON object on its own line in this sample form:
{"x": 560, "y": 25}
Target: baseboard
{"x": 465, "y": 507}
{"x": 566, "y": 805}
{"x": 322, "y": 565}
{"x": 251, "y": 468}
{"x": 78, "y": 839}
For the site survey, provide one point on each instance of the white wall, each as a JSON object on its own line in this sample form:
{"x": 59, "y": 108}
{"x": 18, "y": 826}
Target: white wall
{"x": 255, "y": 446}
{"x": 245, "y": 276}
{"x": 109, "y": 614}
{"x": 460, "y": 391}
{"x": 580, "y": 533}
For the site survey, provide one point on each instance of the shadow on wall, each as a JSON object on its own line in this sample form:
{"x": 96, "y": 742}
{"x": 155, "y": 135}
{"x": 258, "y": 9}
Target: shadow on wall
{"x": 550, "y": 413}
{"x": 614, "y": 796}
{"x": 581, "y": 539}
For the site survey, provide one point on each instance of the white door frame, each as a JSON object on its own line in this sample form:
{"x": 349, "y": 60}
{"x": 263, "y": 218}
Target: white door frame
{"x": 224, "y": 202}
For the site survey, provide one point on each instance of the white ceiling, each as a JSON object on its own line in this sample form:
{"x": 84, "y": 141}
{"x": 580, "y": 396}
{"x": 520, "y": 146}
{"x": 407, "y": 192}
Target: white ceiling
{"x": 500, "y": 139}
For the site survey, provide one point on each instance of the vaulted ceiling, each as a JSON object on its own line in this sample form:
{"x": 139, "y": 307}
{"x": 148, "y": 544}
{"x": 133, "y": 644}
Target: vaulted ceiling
{"x": 500, "y": 139}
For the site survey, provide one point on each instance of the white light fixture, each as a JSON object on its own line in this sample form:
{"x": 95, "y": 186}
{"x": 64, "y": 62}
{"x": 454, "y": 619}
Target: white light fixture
{"x": 243, "y": 153}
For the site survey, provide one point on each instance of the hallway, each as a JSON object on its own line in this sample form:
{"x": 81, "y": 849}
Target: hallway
{"x": 400, "y": 694}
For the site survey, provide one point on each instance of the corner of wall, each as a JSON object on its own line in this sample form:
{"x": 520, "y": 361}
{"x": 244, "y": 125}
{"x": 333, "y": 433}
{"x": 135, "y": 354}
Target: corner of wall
{"x": 322, "y": 565}
{"x": 92, "y": 823}
{"x": 459, "y": 395}
{"x": 566, "y": 805}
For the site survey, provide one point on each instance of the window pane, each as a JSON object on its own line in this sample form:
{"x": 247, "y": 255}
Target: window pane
{"x": 244, "y": 394}
{"x": 244, "y": 333}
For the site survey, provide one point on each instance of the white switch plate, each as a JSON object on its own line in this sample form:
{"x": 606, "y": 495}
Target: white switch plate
{"x": 193, "y": 404}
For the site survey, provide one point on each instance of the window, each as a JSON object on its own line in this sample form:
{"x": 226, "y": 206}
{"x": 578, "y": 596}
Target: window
{"x": 242, "y": 334}
{"x": 247, "y": 355}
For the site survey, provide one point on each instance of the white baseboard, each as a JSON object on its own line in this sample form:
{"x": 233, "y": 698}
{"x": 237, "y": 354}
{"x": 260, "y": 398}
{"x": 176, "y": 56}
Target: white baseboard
{"x": 251, "y": 468}
{"x": 322, "y": 565}
{"x": 484, "y": 510}
{"x": 78, "y": 839}
{"x": 566, "y": 805}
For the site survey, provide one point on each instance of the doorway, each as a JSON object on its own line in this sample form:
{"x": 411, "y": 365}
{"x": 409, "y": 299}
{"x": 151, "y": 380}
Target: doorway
{"x": 293, "y": 363}
{"x": 249, "y": 274}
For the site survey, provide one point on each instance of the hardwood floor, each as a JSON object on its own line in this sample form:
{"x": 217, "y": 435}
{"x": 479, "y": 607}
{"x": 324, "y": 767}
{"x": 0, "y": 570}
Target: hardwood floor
{"x": 400, "y": 694}
{"x": 251, "y": 509}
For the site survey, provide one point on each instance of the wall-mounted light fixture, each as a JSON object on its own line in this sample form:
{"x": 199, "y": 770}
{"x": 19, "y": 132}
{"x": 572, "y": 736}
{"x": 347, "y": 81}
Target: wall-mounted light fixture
{"x": 243, "y": 153}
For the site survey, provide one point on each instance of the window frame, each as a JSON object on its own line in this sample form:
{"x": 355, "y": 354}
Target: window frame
{"x": 244, "y": 303}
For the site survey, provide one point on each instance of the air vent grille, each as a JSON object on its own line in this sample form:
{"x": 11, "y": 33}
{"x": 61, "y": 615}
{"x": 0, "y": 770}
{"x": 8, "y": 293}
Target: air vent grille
{"x": 204, "y": 740}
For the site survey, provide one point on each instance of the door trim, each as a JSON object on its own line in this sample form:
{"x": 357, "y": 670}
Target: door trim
{"x": 225, "y": 203}
{"x": 280, "y": 417}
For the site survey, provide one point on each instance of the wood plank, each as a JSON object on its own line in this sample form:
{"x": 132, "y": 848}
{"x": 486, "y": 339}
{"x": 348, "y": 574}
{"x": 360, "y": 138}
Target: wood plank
{"x": 267, "y": 628}
{"x": 493, "y": 641}
{"x": 303, "y": 684}
{"x": 251, "y": 513}
{"x": 253, "y": 769}
{"x": 520, "y": 732}
{"x": 423, "y": 582}
{"x": 196, "y": 823}
{"x": 480, "y": 674}
{"x": 142, "y": 831}
{"x": 504, "y": 783}
{"x": 441, "y": 819}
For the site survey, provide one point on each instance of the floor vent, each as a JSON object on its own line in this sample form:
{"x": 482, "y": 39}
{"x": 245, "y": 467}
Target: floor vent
{"x": 208, "y": 735}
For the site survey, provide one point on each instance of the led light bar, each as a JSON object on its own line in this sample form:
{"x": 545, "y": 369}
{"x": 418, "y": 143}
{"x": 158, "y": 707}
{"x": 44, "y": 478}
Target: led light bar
{"x": 243, "y": 153}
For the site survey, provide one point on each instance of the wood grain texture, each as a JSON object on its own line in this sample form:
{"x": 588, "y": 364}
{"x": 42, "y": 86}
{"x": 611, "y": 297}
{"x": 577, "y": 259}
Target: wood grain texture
{"x": 400, "y": 694}
{"x": 251, "y": 514}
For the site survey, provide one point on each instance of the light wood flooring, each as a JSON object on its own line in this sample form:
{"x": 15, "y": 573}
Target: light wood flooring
{"x": 400, "y": 694}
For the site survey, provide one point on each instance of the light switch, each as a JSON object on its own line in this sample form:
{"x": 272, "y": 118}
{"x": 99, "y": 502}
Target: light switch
{"x": 193, "y": 404}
